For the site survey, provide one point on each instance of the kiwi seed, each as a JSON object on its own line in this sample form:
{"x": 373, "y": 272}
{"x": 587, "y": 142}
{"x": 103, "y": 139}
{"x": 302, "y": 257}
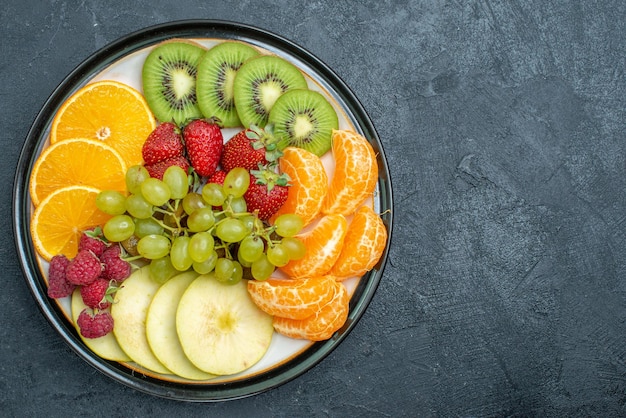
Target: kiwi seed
{"x": 305, "y": 119}
{"x": 214, "y": 82}
{"x": 169, "y": 80}
{"x": 259, "y": 82}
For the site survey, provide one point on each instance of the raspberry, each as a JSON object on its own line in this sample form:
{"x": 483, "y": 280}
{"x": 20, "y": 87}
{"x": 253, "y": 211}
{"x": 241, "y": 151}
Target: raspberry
{"x": 58, "y": 286}
{"x": 94, "y": 326}
{"x": 84, "y": 268}
{"x": 115, "y": 268}
{"x": 92, "y": 240}
{"x": 95, "y": 294}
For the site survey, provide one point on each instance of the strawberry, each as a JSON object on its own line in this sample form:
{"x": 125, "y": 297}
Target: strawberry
{"x": 268, "y": 191}
{"x": 217, "y": 177}
{"x": 157, "y": 169}
{"x": 164, "y": 142}
{"x": 250, "y": 148}
{"x": 204, "y": 143}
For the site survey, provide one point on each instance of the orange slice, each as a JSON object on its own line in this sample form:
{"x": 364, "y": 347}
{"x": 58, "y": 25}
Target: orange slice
{"x": 321, "y": 325}
{"x": 295, "y": 299}
{"x": 323, "y": 245}
{"x": 107, "y": 111}
{"x": 79, "y": 161}
{"x": 355, "y": 176}
{"x": 309, "y": 183}
{"x": 363, "y": 245}
{"x": 60, "y": 218}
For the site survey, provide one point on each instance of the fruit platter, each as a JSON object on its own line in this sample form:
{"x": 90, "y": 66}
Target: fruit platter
{"x": 202, "y": 210}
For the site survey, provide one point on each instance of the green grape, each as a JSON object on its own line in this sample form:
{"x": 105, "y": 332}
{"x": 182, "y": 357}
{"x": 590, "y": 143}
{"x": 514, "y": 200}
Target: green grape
{"x": 153, "y": 246}
{"x": 173, "y": 218}
{"x": 176, "y": 179}
{"x": 238, "y": 205}
{"x": 201, "y": 246}
{"x": 236, "y": 182}
{"x": 213, "y": 194}
{"x": 231, "y": 230}
{"x": 278, "y": 255}
{"x": 136, "y": 175}
{"x": 119, "y": 228}
{"x": 288, "y": 224}
{"x": 155, "y": 191}
{"x": 243, "y": 261}
{"x": 111, "y": 202}
{"x": 147, "y": 226}
{"x": 193, "y": 201}
{"x": 207, "y": 265}
{"x": 138, "y": 207}
{"x": 224, "y": 269}
{"x": 295, "y": 248}
{"x": 262, "y": 269}
{"x": 249, "y": 221}
{"x": 237, "y": 274}
{"x": 161, "y": 269}
{"x": 251, "y": 248}
{"x": 201, "y": 219}
{"x": 179, "y": 253}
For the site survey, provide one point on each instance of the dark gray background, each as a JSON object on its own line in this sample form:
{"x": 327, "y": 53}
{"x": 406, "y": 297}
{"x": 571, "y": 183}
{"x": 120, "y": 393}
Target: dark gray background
{"x": 503, "y": 124}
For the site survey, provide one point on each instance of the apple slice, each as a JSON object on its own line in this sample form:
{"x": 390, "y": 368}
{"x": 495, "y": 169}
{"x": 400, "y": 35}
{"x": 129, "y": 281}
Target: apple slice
{"x": 105, "y": 347}
{"x": 161, "y": 328}
{"x": 129, "y": 311}
{"x": 221, "y": 330}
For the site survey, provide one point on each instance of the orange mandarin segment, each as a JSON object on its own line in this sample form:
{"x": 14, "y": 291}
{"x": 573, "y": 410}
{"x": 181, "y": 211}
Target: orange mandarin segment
{"x": 309, "y": 183}
{"x": 363, "y": 245}
{"x": 294, "y": 299}
{"x": 323, "y": 245}
{"x": 107, "y": 111}
{"x": 322, "y": 324}
{"x": 355, "y": 176}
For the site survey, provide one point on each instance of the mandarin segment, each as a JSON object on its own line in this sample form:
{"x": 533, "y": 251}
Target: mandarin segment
{"x": 321, "y": 325}
{"x": 58, "y": 221}
{"x": 77, "y": 161}
{"x": 294, "y": 299}
{"x": 363, "y": 245}
{"x": 355, "y": 176}
{"x": 309, "y": 183}
{"x": 323, "y": 245}
{"x": 107, "y": 111}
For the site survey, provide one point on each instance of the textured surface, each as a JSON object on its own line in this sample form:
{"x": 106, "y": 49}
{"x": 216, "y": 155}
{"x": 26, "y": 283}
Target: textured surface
{"x": 503, "y": 123}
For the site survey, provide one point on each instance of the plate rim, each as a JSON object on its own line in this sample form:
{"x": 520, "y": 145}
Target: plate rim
{"x": 28, "y": 259}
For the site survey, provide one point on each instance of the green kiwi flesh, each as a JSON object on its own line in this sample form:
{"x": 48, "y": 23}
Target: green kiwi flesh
{"x": 215, "y": 79}
{"x": 305, "y": 119}
{"x": 259, "y": 83}
{"x": 169, "y": 81}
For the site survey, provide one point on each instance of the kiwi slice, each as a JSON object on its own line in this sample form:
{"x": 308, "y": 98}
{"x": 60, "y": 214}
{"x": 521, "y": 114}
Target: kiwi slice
{"x": 259, "y": 82}
{"x": 215, "y": 79}
{"x": 169, "y": 80}
{"x": 305, "y": 119}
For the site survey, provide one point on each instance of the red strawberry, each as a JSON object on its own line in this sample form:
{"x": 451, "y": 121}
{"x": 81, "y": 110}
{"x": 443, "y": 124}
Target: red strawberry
{"x": 249, "y": 149}
{"x": 268, "y": 191}
{"x": 164, "y": 142}
{"x": 98, "y": 294}
{"x": 94, "y": 326}
{"x": 58, "y": 286}
{"x": 217, "y": 177}
{"x": 93, "y": 240}
{"x": 157, "y": 169}
{"x": 83, "y": 269}
{"x": 204, "y": 143}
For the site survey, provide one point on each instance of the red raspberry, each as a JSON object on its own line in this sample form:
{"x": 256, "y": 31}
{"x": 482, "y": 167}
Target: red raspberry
{"x": 94, "y": 326}
{"x": 84, "y": 268}
{"x": 58, "y": 286}
{"x": 95, "y": 294}
{"x": 92, "y": 240}
{"x": 115, "y": 268}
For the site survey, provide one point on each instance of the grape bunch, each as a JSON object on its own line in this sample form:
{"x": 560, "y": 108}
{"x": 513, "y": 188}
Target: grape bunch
{"x": 178, "y": 224}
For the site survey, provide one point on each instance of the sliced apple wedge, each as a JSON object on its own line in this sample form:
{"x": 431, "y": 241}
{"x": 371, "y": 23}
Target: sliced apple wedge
{"x": 129, "y": 311}
{"x": 161, "y": 328}
{"x": 105, "y": 347}
{"x": 220, "y": 329}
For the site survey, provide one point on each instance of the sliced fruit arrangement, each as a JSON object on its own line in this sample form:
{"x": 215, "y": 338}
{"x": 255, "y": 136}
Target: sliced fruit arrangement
{"x": 184, "y": 251}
